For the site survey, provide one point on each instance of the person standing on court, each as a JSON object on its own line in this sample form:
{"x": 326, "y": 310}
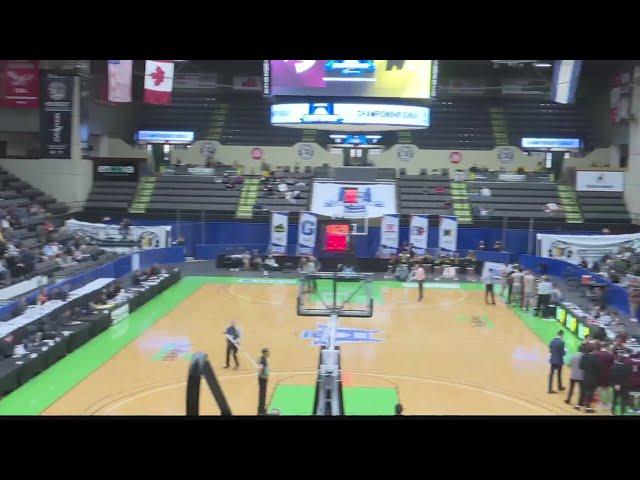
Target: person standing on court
{"x": 576, "y": 377}
{"x": 556, "y": 360}
{"x": 590, "y": 365}
{"x": 419, "y": 276}
{"x": 232, "y": 334}
{"x": 545, "y": 288}
{"x": 487, "y": 279}
{"x": 263, "y": 377}
{"x": 529, "y": 290}
{"x": 620, "y": 377}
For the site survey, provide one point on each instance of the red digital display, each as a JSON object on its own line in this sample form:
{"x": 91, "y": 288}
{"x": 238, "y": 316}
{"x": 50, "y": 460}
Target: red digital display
{"x": 350, "y": 195}
{"x": 336, "y": 237}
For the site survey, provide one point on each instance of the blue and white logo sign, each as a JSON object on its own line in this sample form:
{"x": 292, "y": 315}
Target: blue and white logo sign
{"x": 307, "y": 230}
{"x": 360, "y": 200}
{"x": 343, "y": 335}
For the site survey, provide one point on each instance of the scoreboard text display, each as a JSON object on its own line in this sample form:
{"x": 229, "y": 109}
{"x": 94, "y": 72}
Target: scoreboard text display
{"x": 336, "y": 238}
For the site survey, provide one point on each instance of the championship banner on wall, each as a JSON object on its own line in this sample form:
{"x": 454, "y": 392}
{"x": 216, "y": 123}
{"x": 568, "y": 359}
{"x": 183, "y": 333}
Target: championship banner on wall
{"x": 599, "y": 181}
{"x": 418, "y": 233}
{"x": 279, "y": 233}
{"x": 573, "y": 248}
{"x": 344, "y": 200}
{"x": 110, "y": 237}
{"x": 158, "y": 81}
{"x": 448, "y": 233}
{"x": 120, "y": 80}
{"x": 307, "y": 231}
{"x": 390, "y": 234}
{"x": 55, "y": 116}
{"x": 19, "y": 84}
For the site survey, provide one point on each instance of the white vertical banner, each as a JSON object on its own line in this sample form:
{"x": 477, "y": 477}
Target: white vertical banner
{"x": 390, "y": 233}
{"x": 279, "y": 233}
{"x": 120, "y": 80}
{"x": 307, "y": 231}
{"x": 448, "y": 233}
{"x": 135, "y": 262}
{"x": 418, "y": 233}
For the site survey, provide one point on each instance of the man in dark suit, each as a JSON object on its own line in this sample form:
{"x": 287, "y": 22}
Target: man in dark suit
{"x": 556, "y": 360}
{"x": 590, "y": 364}
{"x": 620, "y": 376}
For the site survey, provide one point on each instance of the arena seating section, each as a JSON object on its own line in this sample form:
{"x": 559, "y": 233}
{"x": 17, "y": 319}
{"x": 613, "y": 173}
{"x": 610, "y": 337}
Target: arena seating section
{"x": 295, "y": 181}
{"x": 192, "y": 193}
{"x": 417, "y": 194}
{"x": 604, "y": 207}
{"x": 535, "y": 118}
{"x": 111, "y": 196}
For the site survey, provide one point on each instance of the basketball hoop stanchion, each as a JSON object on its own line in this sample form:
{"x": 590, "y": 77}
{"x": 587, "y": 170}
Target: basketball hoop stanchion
{"x": 329, "y": 399}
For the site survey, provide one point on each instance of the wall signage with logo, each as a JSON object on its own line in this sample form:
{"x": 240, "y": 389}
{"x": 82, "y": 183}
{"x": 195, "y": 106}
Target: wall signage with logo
{"x": 55, "y": 116}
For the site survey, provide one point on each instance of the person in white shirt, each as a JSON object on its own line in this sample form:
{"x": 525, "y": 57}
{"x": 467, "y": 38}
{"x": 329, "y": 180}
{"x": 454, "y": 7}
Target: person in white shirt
{"x": 485, "y": 192}
{"x": 545, "y": 288}
{"x": 419, "y": 275}
{"x": 529, "y": 290}
{"x": 488, "y": 278}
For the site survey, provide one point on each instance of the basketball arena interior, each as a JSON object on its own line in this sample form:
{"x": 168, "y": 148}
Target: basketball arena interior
{"x": 319, "y": 238}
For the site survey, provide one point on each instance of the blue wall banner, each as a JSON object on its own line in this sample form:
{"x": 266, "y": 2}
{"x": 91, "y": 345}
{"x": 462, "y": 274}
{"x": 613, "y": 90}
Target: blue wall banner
{"x": 279, "y": 233}
{"x": 307, "y": 233}
{"x": 448, "y": 236}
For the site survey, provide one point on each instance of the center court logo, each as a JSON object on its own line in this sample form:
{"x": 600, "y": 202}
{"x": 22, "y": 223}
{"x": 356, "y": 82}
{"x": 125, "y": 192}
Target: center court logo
{"x": 343, "y": 335}
{"x": 173, "y": 351}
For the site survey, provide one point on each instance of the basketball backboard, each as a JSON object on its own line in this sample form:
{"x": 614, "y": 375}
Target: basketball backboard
{"x": 344, "y": 294}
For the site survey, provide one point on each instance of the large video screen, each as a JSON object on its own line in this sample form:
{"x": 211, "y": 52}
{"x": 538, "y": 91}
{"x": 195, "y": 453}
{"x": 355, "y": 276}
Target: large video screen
{"x": 352, "y": 78}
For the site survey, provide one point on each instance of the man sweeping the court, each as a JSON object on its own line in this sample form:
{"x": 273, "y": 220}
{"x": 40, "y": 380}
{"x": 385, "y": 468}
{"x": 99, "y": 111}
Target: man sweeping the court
{"x": 232, "y": 333}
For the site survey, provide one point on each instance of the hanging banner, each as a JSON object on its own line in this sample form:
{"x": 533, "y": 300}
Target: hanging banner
{"x": 112, "y": 237}
{"x": 573, "y": 248}
{"x": 344, "y": 200}
{"x": 448, "y": 238}
{"x": 307, "y": 231}
{"x": 158, "y": 81}
{"x": 279, "y": 233}
{"x": 418, "y": 232}
{"x": 247, "y": 83}
{"x": 390, "y": 234}
{"x": 120, "y": 80}
{"x": 20, "y": 84}
{"x": 55, "y": 116}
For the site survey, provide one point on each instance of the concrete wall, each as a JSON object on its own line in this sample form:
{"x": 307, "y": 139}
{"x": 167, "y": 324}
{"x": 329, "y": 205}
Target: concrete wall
{"x": 19, "y": 120}
{"x": 65, "y": 179}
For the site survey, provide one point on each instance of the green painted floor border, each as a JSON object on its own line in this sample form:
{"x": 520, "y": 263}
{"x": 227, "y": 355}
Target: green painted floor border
{"x": 299, "y": 399}
{"x": 45, "y": 389}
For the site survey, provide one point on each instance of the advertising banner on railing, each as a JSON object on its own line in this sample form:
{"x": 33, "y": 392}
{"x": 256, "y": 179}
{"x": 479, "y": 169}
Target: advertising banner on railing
{"x": 418, "y": 232}
{"x": 390, "y": 234}
{"x": 113, "y": 237}
{"x": 599, "y": 181}
{"x": 279, "y": 233}
{"x": 345, "y": 200}
{"x": 574, "y": 248}
{"x": 307, "y": 232}
{"x": 448, "y": 233}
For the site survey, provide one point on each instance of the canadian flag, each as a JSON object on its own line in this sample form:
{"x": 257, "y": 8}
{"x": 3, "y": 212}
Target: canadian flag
{"x": 120, "y": 72}
{"x": 158, "y": 81}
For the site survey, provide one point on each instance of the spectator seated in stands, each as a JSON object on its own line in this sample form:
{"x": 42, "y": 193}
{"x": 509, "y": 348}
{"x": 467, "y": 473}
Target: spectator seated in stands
{"x": 35, "y": 210}
{"x": 439, "y": 189}
{"x": 99, "y": 301}
{"x": 125, "y": 227}
{"x": 270, "y": 264}
{"x": 4, "y": 271}
{"x": 50, "y": 250}
{"x": 552, "y": 208}
{"x": 485, "y": 192}
{"x": 230, "y": 186}
{"x": 7, "y": 347}
{"x": 48, "y": 227}
{"x": 282, "y": 187}
{"x": 64, "y": 260}
{"x": 180, "y": 241}
{"x": 155, "y": 270}
{"x": 497, "y": 246}
{"x": 42, "y": 297}
{"x": 256, "y": 260}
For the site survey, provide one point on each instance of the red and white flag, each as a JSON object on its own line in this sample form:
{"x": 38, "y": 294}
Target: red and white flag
{"x": 158, "y": 81}
{"x": 247, "y": 82}
{"x": 120, "y": 75}
{"x": 20, "y": 84}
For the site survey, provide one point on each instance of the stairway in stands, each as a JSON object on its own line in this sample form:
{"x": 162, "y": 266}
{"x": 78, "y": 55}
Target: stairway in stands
{"x": 143, "y": 195}
{"x": 309, "y": 136}
{"x": 218, "y": 119}
{"x": 248, "y": 196}
{"x": 461, "y": 202}
{"x": 404, "y": 136}
{"x": 569, "y": 203}
{"x": 499, "y": 127}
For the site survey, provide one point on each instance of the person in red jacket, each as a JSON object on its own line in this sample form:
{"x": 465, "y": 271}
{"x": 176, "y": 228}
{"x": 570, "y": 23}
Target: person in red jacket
{"x": 606, "y": 362}
{"x": 634, "y": 299}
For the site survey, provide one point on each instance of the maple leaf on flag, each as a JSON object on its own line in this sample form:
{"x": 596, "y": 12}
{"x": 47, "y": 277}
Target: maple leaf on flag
{"x": 158, "y": 76}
